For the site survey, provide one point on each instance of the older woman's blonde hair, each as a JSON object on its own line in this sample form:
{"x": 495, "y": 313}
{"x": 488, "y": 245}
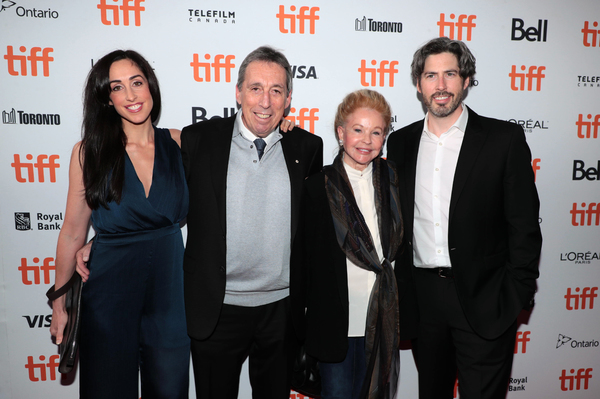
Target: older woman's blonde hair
{"x": 364, "y": 98}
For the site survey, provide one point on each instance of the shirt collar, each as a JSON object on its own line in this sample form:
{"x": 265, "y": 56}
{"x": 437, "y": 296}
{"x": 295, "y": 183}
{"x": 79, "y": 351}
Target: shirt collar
{"x": 354, "y": 174}
{"x": 460, "y": 124}
{"x": 240, "y": 128}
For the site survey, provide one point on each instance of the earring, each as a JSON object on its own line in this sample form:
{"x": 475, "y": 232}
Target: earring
{"x": 341, "y": 142}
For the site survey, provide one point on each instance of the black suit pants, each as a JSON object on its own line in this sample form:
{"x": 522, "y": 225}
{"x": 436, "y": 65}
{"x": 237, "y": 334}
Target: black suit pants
{"x": 264, "y": 335}
{"x": 447, "y": 344}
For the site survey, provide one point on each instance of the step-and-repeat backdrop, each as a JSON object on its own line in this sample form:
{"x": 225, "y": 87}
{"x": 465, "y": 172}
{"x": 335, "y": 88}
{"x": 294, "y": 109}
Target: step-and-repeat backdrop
{"x": 538, "y": 66}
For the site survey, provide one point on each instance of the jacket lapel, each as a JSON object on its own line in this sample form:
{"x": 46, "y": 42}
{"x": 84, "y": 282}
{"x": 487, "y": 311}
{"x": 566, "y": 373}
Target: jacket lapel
{"x": 219, "y": 154}
{"x": 293, "y": 160}
{"x": 469, "y": 152}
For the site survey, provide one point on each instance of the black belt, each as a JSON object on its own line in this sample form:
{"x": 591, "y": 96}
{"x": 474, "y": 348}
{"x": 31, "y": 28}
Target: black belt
{"x": 443, "y": 272}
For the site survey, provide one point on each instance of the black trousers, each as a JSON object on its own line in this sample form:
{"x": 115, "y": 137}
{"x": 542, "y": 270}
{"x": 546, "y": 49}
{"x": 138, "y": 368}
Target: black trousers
{"x": 264, "y": 335}
{"x": 447, "y": 344}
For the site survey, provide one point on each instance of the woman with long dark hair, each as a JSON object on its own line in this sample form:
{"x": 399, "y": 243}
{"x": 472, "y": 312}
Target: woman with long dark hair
{"x": 126, "y": 175}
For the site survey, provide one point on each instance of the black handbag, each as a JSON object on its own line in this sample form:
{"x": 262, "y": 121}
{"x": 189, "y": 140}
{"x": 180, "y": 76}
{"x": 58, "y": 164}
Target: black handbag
{"x": 70, "y": 342}
{"x": 306, "y": 378}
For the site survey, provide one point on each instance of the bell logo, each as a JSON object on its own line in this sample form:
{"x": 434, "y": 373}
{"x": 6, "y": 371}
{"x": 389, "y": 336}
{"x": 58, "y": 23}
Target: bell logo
{"x": 573, "y": 382}
{"x": 578, "y": 215}
{"x": 535, "y": 164}
{"x": 368, "y": 76}
{"x": 20, "y": 61}
{"x": 591, "y": 127}
{"x": 221, "y": 62}
{"x": 125, "y": 7}
{"x": 464, "y": 22}
{"x": 531, "y": 34}
{"x": 587, "y": 298}
{"x": 589, "y": 33}
{"x": 302, "y": 17}
{"x": 46, "y": 267}
{"x": 533, "y": 74}
{"x": 521, "y": 340}
{"x": 580, "y": 172}
{"x": 43, "y": 162}
{"x": 305, "y": 116}
{"x": 51, "y": 366}
{"x": 200, "y": 114}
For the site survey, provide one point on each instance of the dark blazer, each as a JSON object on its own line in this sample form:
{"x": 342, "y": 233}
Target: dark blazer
{"x": 205, "y": 148}
{"x": 327, "y": 315}
{"x": 493, "y": 234}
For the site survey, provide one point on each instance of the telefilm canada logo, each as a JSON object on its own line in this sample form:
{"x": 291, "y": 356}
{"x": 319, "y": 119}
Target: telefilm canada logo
{"x": 371, "y": 25}
{"x": 24, "y": 12}
{"x": 588, "y": 81}
{"x": 215, "y": 17}
{"x": 574, "y": 343}
{"x": 531, "y": 125}
{"x": 14, "y": 117}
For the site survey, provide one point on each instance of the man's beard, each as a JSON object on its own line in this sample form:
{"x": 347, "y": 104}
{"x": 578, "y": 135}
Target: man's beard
{"x": 442, "y": 111}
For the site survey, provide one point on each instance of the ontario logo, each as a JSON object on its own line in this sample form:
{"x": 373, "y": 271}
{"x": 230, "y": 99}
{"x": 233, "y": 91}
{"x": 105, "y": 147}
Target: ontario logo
{"x": 566, "y": 341}
{"x": 29, "y": 12}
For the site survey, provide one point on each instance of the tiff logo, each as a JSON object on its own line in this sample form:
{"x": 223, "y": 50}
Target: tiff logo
{"x": 587, "y": 297}
{"x": 535, "y": 164}
{"x": 51, "y": 366}
{"x": 306, "y": 116}
{"x": 34, "y": 57}
{"x": 592, "y": 210}
{"x": 522, "y": 339}
{"x": 464, "y": 22}
{"x": 368, "y": 76}
{"x": 43, "y": 162}
{"x": 573, "y": 382}
{"x": 592, "y": 34}
{"x": 301, "y": 17}
{"x": 589, "y": 132}
{"x": 46, "y": 267}
{"x": 533, "y": 74}
{"x": 126, "y": 8}
{"x": 221, "y": 62}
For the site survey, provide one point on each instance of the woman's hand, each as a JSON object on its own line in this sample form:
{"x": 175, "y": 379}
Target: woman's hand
{"x": 286, "y": 125}
{"x": 59, "y": 319}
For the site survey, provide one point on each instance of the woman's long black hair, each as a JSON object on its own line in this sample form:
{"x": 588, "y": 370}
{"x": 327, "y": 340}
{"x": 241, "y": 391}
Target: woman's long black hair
{"x": 103, "y": 145}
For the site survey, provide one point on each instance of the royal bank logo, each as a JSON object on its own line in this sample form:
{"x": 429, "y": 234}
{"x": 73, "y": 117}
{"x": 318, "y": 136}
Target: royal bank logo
{"x": 22, "y": 221}
{"x": 531, "y": 125}
{"x": 371, "y": 25}
{"x": 14, "y": 117}
{"x": 517, "y": 384}
{"x": 588, "y": 81}
{"x": 216, "y": 17}
{"x": 568, "y": 342}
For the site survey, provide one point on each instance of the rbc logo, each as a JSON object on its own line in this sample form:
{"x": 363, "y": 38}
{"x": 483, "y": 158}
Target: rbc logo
{"x": 533, "y": 74}
{"x": 592, "y": 210}
{"x": 34, "y": 57}
{"x": 302, "y": 17}
{"x": 221, "y": 62}
{"x": 43, "y": 162}
{"x": 573, "y": 382}
{"x": 368, "y": 76}
{"x": 46, "y": 267}
{"x": 589, "y": 132}
{"x": 521, "y": 340}
{"x": 126, "y": 8}
{"x": 51, "y": 366}
{"x": 587, "y": 297}
{"x": 590, "y": 33}
{"x": 457, "y": 26}
{"x": 303, "y": 119}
